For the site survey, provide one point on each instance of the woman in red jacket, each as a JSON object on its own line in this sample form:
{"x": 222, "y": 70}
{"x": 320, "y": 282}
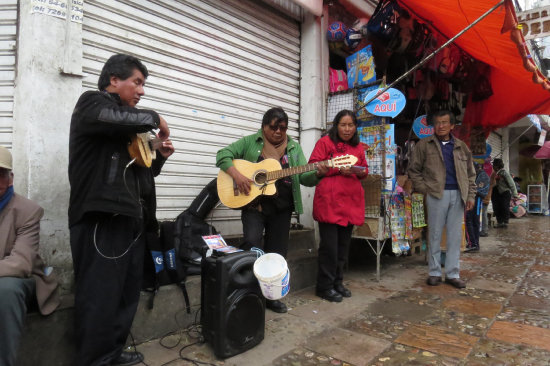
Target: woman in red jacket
{"x": 338, "y": 203}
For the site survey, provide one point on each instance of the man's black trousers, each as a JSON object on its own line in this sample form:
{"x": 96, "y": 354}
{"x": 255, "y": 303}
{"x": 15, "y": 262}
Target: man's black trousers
{"x": 501, "y": 205}
{"x": 108, "y": 268}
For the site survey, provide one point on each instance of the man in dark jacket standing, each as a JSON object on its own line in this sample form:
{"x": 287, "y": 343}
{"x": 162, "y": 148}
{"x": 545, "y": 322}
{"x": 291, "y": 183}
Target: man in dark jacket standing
{"x": 442, "y": 169}
{"x": 109, "y": 203}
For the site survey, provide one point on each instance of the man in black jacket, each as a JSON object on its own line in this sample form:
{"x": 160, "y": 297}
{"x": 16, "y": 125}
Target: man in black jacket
{"x": 112, "y": 202}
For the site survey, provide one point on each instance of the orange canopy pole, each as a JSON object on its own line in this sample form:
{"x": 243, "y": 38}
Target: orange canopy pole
{"x": 431, "y": 55}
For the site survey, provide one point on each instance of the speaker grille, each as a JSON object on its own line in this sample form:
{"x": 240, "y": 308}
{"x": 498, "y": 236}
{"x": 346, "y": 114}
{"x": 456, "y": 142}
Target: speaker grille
{"x": 245, "y": 319}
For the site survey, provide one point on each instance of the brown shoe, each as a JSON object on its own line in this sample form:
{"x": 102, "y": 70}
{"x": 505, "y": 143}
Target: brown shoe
{"x": 456, "y": 282}
{"x": 433, "y": 280}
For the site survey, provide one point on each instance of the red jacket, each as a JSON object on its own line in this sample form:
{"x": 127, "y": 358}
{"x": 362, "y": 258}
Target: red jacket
{"x": 339, "y": 199}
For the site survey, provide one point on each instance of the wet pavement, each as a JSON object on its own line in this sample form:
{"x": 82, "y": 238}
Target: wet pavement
{"x": 501, "y": 318}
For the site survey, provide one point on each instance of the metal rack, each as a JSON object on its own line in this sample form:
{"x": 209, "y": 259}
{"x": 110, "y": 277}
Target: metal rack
{"x": 537, "y": 201}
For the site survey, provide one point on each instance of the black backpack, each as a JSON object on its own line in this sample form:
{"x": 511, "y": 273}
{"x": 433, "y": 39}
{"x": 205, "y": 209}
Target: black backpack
{"x": 176, "y": 252}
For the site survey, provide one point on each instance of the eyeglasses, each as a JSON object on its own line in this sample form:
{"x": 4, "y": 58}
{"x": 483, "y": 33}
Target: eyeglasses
{"x": 441, "y": 123}
{"x": 278, "y": 127}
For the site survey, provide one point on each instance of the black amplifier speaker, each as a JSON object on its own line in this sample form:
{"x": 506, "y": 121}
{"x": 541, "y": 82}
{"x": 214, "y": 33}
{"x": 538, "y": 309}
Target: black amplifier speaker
{"x": 232, "y": 304}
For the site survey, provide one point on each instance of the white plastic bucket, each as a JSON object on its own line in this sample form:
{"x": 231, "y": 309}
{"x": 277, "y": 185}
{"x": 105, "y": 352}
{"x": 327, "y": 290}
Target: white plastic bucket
{"x": 273, "y": 275}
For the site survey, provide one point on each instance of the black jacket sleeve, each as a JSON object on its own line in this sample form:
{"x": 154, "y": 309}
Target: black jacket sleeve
{"x": 102, "y": 114}
{"x": 157, "y": 164}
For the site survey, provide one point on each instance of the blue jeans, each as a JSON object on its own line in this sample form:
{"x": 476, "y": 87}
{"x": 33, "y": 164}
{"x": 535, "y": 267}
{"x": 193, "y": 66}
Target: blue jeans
{"x": 446, "y": 212}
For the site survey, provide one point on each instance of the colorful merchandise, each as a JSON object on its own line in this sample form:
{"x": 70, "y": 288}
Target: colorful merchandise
{"x": 418, "y": 216}
{"x": 398, "y": 224}
{"x": 353, "y": 38}
{"x": 371, "y": 138}
{"x": 338, "y": 80}
{"x": 336, "y": 32}
{"x": 360, "y": 67}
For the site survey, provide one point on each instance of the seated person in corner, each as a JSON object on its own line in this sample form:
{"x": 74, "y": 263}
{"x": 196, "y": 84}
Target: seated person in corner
{"x": 22, "y": 277}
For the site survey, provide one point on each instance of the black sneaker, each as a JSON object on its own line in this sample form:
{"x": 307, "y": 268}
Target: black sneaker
{"x": 276, "y": 306}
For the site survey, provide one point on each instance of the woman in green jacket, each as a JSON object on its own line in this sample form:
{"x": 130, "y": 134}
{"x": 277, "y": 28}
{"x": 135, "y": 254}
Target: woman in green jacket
{"x": 271, "y": 214}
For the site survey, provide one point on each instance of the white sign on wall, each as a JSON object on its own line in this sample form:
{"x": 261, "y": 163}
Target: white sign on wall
{"x": 535, "y": 23}
{"x": 60, "y": 8}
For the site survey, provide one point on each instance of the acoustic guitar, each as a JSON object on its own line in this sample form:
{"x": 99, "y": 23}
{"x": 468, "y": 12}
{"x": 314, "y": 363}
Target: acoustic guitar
{"x": 264, "y": 175}
{"x": 142, "y": 148}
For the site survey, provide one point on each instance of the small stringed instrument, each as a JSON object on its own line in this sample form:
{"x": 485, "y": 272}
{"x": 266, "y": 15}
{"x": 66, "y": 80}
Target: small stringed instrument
{"x": 264, "y": 175}
{"x": 142, "y": 148}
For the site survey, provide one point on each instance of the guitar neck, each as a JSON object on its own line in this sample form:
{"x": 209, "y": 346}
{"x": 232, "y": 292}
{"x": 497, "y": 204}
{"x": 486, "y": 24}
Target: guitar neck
{"x": 278, "y": 174}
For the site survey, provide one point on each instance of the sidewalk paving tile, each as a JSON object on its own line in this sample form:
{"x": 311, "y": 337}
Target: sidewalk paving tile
{"x": 400, "y": 310}
{"x": 399, "y": 354}
{"x": 492, "y": 285}
{"x": 503, "y": 273}
{"x": 520, "y": 334}
{"x": 420, "y": 297}
{"x": 473, "y": 306}
{"x": 379, "y": 326}
{"x": 530, "y": 302}
{"x": 525, "y": 316}
{"x": 542, "y": 265}
{"x": 355, "y": 348}
{"x": 302, "y": 356}
{"x": 438, "y": 340}
{"x": 456, "y": 321}
{"x": 490, "y": 352}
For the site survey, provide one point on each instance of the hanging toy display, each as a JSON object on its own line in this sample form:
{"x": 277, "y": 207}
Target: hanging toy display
{"x": 353, "y": 38}
{"x": 336, "y": 32}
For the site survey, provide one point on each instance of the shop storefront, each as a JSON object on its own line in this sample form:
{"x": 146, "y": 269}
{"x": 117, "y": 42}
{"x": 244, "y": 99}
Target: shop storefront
{"x": 8, "y": 50}
{"x": 485, "y": 77}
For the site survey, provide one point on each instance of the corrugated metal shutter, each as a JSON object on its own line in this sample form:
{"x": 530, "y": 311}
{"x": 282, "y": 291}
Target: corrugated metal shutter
{"x": 8, "y": 50}
{"x": 495, "y": 140}
{"x": 215, "y": 67}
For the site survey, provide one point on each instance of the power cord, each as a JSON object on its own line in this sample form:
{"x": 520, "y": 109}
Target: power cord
{"x": 194, "y": 331}
{"x": 118, "y": 256}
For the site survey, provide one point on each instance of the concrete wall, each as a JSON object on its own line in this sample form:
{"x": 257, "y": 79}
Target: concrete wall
{"x": 45, "y": 94}
{"x": 313, "y": 92}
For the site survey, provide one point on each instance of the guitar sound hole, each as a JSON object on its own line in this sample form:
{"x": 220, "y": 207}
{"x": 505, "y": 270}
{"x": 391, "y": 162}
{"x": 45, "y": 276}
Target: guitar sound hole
{"x": 260, "y": 178}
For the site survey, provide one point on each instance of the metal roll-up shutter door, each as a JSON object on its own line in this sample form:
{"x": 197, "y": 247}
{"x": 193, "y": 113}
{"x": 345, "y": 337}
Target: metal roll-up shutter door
{"x": 215, "y": 67}
{"x": 495, "y": 140}
{"x": 8, "y": 49}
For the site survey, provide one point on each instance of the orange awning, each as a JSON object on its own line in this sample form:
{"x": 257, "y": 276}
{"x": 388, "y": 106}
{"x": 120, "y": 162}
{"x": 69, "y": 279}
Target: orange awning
{"x": 519, "y": 88}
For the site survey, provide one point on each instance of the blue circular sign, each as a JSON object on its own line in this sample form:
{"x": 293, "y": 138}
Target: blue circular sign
{"x": 421, "y": 127}
{"x": 488, "y": 150}
{"x": 388, "y": 104}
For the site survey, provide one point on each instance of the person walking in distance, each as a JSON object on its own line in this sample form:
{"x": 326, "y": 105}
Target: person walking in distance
{"x": 504, "y": 189}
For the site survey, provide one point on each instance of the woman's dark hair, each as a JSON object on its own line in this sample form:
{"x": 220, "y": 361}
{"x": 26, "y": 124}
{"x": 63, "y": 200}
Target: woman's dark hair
{"x": 277, "y": 114}
{"x": 441, "y": 113}
{"x": 498, "y": 162}
{"x": 122, "y": 66}
{"x": 333, "y": 132}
